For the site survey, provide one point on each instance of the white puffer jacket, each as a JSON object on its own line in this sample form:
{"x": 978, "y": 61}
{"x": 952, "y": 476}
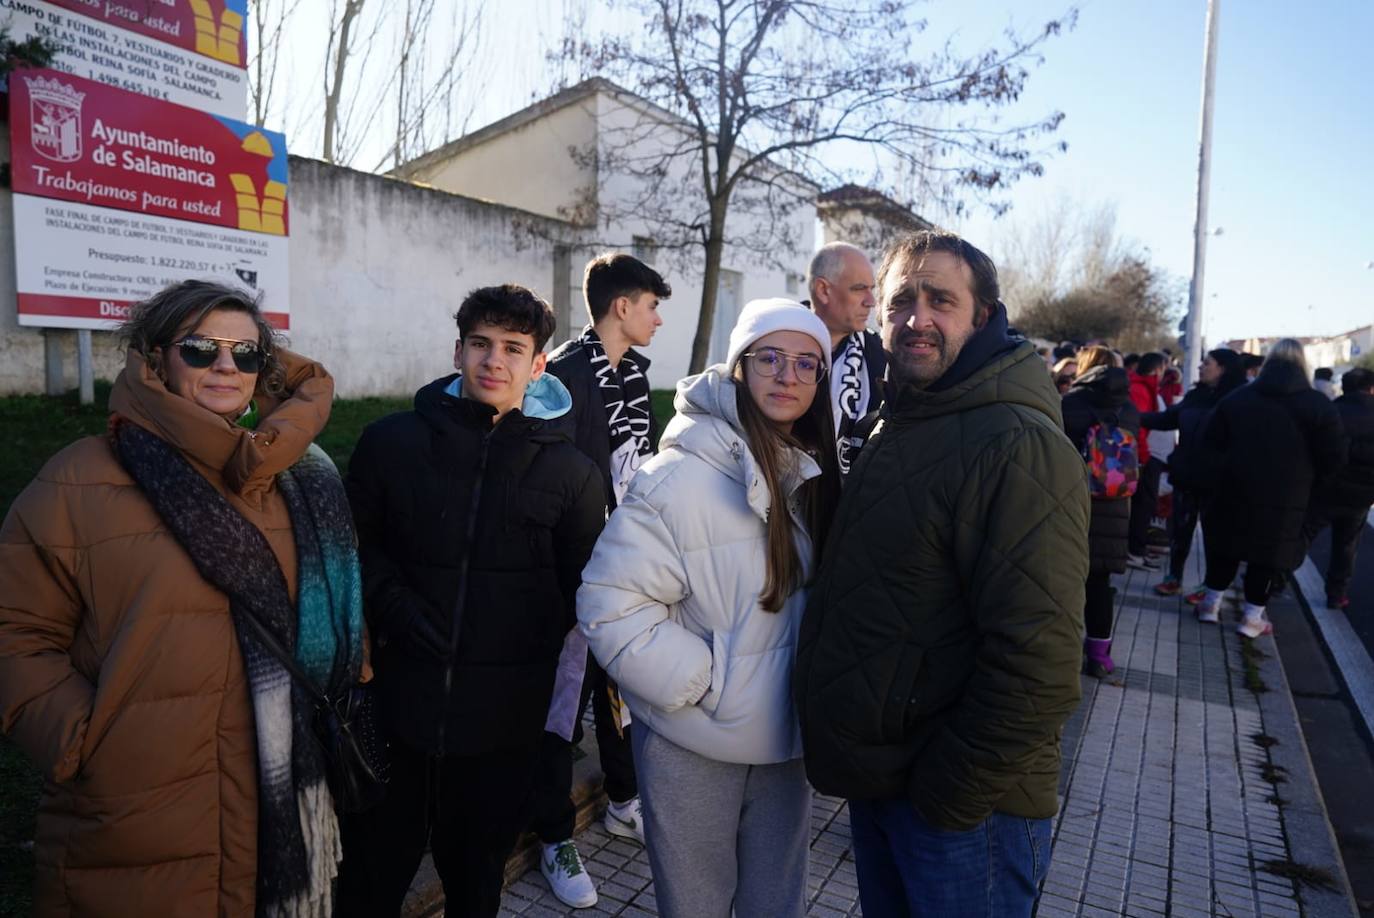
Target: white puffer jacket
{"x": 670, "y": 598}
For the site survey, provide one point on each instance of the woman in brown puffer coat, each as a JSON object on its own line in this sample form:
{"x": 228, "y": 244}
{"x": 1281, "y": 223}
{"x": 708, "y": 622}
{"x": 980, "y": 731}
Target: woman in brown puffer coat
{"x": 181, "y": 778}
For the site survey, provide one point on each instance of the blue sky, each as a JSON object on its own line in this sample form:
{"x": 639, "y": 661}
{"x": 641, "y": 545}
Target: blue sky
{"x": 1293, "y": 146}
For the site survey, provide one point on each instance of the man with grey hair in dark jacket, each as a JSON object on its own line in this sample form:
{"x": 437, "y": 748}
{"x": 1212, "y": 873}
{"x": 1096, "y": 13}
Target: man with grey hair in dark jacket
{"x": 840, "y": 281}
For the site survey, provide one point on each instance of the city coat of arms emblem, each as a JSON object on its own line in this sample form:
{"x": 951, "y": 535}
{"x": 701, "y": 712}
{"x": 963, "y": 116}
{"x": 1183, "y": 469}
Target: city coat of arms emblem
{"x": 55, "y": 119}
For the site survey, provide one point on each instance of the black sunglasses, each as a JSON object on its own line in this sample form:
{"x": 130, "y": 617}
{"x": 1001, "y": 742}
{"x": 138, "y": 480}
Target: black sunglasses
{"x": 201, "y": 351}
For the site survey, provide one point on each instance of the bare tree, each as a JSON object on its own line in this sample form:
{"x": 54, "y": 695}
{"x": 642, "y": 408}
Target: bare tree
{"x": 269, "y": 19}
{"x": 340, "y": 51}
{"x": 429, "y": 108}
{"x": 1068, "y": 275}
{"x": 775, "y": 98}
{"x": 1133, "y": 308}
{"x": 397, "y": 77}
{"x": 1069, "y": 243}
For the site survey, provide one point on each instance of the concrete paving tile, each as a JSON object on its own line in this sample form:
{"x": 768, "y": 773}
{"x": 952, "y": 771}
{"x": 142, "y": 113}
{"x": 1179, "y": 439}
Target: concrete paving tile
{"x": 825, "y": 911}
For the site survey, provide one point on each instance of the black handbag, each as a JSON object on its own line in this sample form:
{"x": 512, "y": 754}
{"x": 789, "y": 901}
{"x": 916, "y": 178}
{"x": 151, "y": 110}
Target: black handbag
{"x": 357, "y": 755}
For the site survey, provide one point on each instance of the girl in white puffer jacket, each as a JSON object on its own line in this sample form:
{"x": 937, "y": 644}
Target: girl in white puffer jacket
{"x": 691, "y": 602}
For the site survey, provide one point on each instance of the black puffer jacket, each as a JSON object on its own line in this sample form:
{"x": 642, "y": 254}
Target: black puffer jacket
{"x": 590, "y": 426}
{"x": 1103, "y": 394}
{"x": 486, "y": 527}
{"x": 1352, "y": 488}
{"x": 1269, "y": 443}
{"x": 1188, "y": 416}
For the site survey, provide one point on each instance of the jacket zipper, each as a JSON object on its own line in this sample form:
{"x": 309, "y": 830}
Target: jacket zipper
{"x": 456, "y": 621}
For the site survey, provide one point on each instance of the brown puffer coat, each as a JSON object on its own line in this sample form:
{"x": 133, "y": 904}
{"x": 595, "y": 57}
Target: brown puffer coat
{"x": 120, "y": 672}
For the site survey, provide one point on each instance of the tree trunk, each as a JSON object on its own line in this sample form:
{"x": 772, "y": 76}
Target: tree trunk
{"x": 710, "y": 286}
{"x": 331, "y": 101}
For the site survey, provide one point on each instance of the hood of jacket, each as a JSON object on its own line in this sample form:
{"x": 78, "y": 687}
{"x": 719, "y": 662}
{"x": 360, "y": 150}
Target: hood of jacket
{"x": 1016, "y": 376}
{"x": 545, "y": 414}
{"x": 1108, "y": 387}
{"x": 707, "y": 425}
{"x": 1151, "y": 384}
{"x": 1279, "y": 377}
{"x": 247, "y": 460}
{"x": 546, "y": 398}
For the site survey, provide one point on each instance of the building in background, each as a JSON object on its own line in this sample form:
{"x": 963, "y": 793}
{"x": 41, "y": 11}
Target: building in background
{"x": 864, "y": 217}
{"x": 583, "y": 159}
{"x": 1340, "y": 352}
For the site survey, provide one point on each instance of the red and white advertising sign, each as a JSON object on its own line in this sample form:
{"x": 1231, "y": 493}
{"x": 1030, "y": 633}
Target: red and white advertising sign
{"x": 79, "y": 140}
{"x": 83, "y": 267}
{"x": 213, "y": 28}
{"x": 190, "y": 52}
{"x": 169, "y": 172}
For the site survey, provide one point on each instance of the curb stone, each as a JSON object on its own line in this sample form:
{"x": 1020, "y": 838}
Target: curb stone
{"x": 1305, "y": 819}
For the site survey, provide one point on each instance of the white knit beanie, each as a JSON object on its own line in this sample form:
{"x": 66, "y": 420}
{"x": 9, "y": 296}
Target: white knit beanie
{"x": 763, "y": 317}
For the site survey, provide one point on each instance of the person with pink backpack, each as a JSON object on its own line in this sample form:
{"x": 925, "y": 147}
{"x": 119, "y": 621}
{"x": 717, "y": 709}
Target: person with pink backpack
{"x": 1105, "y": 426}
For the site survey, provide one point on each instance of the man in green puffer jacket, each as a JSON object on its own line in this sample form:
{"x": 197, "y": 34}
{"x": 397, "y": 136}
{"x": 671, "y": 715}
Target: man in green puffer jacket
{"x": 940, "y": 649}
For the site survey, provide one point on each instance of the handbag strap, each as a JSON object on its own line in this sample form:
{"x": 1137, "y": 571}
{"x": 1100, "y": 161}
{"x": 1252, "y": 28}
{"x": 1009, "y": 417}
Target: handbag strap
{"x": 273, "y": 646}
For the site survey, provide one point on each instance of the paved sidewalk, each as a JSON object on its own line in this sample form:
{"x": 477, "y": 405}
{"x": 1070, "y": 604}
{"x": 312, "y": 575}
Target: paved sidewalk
{"x": 1184, "y": 792}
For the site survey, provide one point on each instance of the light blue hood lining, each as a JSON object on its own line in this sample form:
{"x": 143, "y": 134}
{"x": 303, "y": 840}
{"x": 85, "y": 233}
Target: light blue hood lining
{"x": 546, "y": 398}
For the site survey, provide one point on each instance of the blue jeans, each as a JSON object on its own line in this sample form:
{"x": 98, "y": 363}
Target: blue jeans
{"x": 908, "y": 867}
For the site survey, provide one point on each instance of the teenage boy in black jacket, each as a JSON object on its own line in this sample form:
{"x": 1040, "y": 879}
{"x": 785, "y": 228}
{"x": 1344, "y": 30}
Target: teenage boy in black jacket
{"x": 475, "y": 515}
{"x": 614, "y": 425}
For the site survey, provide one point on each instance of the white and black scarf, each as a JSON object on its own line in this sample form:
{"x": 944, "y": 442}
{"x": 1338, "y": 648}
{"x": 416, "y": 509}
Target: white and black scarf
{"x": 850, "y": 396}
{"x": 299, "y": 844}
{"x": 625, "y": 393}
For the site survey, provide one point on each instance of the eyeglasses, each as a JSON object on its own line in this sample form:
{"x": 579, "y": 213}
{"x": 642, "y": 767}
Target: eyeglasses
{"x": 769, "y": 361}
{"x": 201, "y": 351}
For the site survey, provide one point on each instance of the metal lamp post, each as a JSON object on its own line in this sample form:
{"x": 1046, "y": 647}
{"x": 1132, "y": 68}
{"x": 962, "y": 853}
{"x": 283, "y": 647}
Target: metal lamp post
{"x": 1204, "y": 178}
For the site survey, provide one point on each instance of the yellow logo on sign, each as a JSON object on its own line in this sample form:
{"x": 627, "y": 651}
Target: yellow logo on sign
{"x": 259, "y": 214}
{"x": 219, "y": 40}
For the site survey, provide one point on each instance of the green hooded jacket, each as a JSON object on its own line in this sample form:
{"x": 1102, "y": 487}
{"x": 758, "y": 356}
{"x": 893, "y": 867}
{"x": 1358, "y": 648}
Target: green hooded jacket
{"x": 940, "y": 648}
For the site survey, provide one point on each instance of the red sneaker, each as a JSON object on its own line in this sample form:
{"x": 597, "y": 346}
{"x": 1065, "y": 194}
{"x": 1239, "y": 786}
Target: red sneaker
{"x": 1196, "y": 596}
{"x": 1170, "y": 587}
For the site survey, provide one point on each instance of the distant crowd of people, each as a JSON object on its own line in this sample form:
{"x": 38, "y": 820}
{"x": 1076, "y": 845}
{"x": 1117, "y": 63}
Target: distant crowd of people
{"x": 854, "y": 561}
{"x": 1255, "y": 451}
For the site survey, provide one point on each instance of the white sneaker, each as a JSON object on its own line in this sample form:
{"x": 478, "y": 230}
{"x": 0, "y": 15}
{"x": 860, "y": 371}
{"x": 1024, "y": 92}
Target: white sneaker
{"x": 1209, "y": 609}
{"x": 561, "y": 866}
{"x": 626, "y": 820}
{"x": 1254, "y": 623}
{"x": 1142, "y": 564}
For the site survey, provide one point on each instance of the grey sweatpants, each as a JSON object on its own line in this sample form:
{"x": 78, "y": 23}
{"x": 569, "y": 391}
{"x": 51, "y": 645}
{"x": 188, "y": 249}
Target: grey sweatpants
{"x": 721, "y": 834}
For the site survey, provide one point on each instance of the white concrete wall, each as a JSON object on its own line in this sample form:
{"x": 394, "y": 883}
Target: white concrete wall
{"x": 379, "y": 266}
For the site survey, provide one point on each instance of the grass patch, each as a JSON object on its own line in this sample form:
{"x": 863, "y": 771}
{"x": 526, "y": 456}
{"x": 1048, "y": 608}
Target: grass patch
{"x": 1274, "y": 774}
{"x": 1301, "y": 874}
{"x": 347, "y": 419}
{"x": 661, "y": 403}
{"x": 37, "y": 426}
{"x": 1250, "y": 657}
{"x": 20, "y": 784}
